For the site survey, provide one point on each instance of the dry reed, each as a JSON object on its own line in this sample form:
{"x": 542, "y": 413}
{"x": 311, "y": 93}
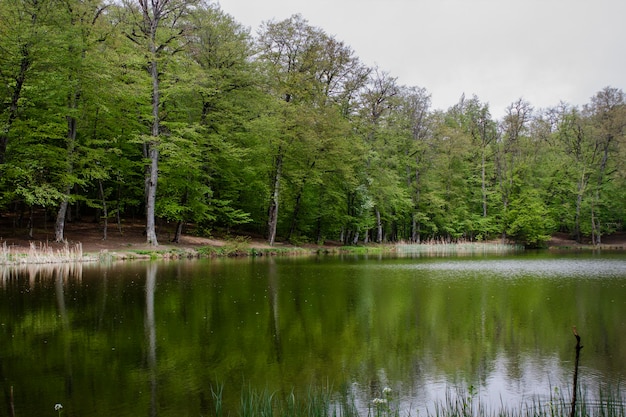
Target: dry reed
{"x": 43, "y": 253}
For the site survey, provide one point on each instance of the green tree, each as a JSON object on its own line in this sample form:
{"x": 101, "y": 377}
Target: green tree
{"x": 607, "y": 114}
{"x": 415, "y": 127}
{"x": 381, "y": 170}
{"x": 224, "y": 92}
{"x": 23, "y": 27}
{"x": 573, "y": 138}
{"x": 509, "y": 153}
{"x": 78, "y": 70}
{"x": 529, "y": 220}
{"x": 308, "y": 72}
{"x": 20, "y": 37}
{"x": 451, "y": 193}
{"x": 158, "y": 28}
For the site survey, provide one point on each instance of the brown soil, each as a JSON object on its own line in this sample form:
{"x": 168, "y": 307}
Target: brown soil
{"x": 90, "y": 236}
{"x": 132, "y": 238}
{"x": 613, "y": 241}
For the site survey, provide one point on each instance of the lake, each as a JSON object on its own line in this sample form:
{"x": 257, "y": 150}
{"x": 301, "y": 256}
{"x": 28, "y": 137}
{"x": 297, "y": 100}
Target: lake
{"x": 161, "y": 338}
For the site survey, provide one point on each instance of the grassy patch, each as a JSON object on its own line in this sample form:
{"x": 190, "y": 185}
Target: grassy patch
{"x": 363, "y": 250}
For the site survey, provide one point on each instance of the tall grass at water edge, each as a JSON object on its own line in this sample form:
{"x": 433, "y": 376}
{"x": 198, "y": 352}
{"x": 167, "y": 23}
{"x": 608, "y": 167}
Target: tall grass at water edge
{"x": 324, "y": 403}
{"x": 42, "y": 254}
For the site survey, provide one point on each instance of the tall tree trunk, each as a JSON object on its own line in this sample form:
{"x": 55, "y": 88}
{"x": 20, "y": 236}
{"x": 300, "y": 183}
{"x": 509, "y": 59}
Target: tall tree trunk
{"x": 595, "y": 232}
{"x": 415, "y": 224}
{"x": 298, "y": 203}
{"x": 483, "y": 182}
{"x": 151, "y": 237}
{"x": 152, "y": 171}
{"x": 31, "y": 222}
{"x": 179, "y": 231}
{"x": 379, "y": 227}
{"x": 272, "y": 222}
{"x": 59, "y": 226}
{"x": 318, "y": 220}
{"x": 294, "y": 217}
{"x": 579, "y": 202}
{"x": 118, "y": 212}
{"x": 105, "y": 213}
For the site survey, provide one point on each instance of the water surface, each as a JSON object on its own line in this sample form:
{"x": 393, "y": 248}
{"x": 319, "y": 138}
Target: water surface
{"x": 148, "y": 338}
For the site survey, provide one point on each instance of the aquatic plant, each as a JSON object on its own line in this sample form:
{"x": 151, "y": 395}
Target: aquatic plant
{"x": 324, "y": 402}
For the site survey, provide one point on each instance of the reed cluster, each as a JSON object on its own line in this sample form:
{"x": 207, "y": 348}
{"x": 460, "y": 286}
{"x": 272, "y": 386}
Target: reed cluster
{"x": 42, "y": 253}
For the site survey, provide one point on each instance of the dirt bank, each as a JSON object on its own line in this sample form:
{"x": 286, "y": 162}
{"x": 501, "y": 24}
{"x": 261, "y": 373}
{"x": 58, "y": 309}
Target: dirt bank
{"x": 132, "y": 239}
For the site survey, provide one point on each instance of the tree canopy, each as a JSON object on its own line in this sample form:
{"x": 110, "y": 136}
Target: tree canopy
{"x": 172, "y": 111}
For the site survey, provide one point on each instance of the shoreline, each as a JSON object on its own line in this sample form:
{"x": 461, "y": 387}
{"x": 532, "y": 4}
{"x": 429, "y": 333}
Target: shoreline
{"x": 42, "y": 253}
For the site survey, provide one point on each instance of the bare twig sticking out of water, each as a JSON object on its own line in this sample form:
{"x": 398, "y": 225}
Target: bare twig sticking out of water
{"x": 575, "y": 385}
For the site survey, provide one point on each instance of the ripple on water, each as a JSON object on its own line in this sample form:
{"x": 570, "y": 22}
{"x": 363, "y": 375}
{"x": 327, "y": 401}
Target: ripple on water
{"x": 583, "y": 268}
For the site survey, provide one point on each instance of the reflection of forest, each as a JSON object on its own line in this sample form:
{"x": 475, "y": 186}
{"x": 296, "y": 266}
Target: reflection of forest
{"x": 120, "y": 333}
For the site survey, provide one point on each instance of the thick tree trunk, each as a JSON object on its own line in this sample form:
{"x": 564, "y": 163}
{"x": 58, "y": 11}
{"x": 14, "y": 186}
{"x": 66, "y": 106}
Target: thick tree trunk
{"x": 59, "y": 225}
{"x": 179, "y": 231}
{"x": 152, "y": 171}
{"x": 151, "y": 237}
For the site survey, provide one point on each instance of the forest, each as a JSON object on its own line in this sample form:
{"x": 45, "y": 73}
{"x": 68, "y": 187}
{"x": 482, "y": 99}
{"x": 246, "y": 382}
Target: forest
{"x": 172, "y": 112}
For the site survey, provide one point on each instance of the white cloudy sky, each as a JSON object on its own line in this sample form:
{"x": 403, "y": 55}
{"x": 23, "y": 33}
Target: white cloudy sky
{"x": 544, "y": 51}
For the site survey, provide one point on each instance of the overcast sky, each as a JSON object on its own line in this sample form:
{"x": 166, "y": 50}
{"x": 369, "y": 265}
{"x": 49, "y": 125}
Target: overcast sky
{"x": 544, "y": 51}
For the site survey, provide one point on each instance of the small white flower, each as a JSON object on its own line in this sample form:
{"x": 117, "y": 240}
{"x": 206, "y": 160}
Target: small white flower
{"x": 57, "y": 407}
{"x": 379, "y": 401}
{"x": 386, "y": 390}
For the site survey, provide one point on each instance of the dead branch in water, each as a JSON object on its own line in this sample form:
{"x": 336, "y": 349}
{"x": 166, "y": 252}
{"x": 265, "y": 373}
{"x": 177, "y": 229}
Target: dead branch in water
{"x": 575, "y": 385}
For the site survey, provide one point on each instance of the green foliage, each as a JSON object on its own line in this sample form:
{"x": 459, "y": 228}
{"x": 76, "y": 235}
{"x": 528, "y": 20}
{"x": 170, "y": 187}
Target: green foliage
{"x": 529, "y": 220}
{"x": 288, "y": 118}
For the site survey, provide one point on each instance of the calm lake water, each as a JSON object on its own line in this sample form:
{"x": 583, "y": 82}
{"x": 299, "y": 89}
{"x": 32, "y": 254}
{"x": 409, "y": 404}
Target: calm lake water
{"x": 155, "y": 338}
